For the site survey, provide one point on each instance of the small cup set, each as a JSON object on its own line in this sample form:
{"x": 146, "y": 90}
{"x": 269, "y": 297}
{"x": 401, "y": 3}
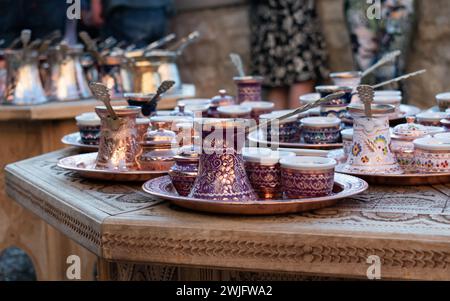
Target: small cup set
{"x": 403, "y": 138}
{"x": 278, "y": 174}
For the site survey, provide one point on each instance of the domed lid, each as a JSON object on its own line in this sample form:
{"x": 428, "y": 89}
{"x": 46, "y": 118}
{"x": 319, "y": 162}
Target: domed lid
{"x": 188, "y": 154}
{"x": 222, "y": 99}
{"x": 159, "y": 137}
{"x": 411, "y": 129}
{"x": 377, "y": 110}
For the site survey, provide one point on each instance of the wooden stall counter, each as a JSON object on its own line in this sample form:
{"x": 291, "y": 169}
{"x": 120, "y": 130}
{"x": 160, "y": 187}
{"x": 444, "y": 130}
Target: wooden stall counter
{"x": 28, "y": 131}
{"x": 137, "y": 237}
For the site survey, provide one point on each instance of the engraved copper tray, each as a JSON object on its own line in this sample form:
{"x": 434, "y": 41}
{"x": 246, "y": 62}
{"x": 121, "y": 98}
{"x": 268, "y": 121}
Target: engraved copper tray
{"x": 407, "y": 179}
{"x": 260, "y": 138}
{"x": 84, "y": 165}
{"x": 74, "y": 139}
{"x": 345, "y": 186}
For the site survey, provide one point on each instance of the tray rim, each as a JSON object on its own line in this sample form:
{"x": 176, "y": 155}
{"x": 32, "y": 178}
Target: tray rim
{"x": 330, "y": 200}
{"x": 102, "y": 171}
{"x": 78, "y": 143}
{"x": 400, "y": 179}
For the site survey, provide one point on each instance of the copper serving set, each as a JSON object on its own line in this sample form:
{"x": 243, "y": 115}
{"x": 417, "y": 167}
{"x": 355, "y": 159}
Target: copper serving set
{"x": 51, "y": 70}
{"x": 232, "y": 155}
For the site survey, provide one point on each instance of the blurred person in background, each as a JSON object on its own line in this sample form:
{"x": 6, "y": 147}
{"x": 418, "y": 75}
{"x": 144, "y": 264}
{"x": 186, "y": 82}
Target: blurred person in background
{"x": 287, "y": 48}
{"x": 136, "y": 22}
{"x": 41, "y": 16}
{"x": 371, "y": 38}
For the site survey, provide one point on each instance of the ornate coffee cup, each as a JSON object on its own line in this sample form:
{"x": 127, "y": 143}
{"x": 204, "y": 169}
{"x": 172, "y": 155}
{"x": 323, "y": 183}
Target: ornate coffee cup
{"x": 307, "y": 176}
{"x": 321, "y": 130}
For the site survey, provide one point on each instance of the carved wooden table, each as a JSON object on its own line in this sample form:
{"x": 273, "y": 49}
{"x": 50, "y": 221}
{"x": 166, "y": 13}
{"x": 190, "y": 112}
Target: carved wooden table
{"x": 137, "y": 237}
{"x": 28, "y": 131}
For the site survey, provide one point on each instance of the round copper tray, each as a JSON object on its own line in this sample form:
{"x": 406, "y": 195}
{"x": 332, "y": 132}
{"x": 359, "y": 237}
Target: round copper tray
{"x": 259, "y": 137}
{"x": 74, "y": 139}
{"x": 345, "y": 186}
{"x": 84, "y": 165}
{"x": 410, "y": 179}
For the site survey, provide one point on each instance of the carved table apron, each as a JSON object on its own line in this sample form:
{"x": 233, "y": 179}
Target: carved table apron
{"x": 136, "y": 237}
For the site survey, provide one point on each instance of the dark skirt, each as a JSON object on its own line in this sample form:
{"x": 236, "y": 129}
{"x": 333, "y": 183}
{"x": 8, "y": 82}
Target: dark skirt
{"x": 287, "y": 45}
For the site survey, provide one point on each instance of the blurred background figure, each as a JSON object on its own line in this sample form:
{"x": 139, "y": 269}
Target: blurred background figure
{"x": 373, "y": 38}
{"x": 41, "y": 16}
{"x": 287, "y": 48}
{"x": 136, "y": 22}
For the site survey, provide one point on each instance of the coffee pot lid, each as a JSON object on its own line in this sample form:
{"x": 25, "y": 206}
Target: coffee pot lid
{"x": 358, "y": 109}
{"x": 222, "y": 99}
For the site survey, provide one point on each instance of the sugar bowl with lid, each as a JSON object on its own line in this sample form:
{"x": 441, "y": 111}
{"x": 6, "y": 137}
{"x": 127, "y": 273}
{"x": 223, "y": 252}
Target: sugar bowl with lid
{"x": 307, "y": 176}
{"x": 158, "y": 149}
{"x": 89, "y": 127}
{"x": 234, "y": 111}
{"x": 263, "y": 170}
{"x": 432, "y": 154}
{"x": 220, "y": 100}
{"x": 321, "y": 130}
{"x": 185, "y": 170}
{"x": 402, "y": 142}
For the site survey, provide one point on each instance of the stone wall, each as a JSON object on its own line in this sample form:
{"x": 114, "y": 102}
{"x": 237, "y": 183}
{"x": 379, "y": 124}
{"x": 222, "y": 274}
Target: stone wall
{"x": 225, "y": 29}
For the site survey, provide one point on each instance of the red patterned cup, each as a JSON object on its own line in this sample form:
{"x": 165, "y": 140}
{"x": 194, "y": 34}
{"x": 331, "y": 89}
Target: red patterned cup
{"x": 263, "y": 171}
{"x": 307, "y": 176}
